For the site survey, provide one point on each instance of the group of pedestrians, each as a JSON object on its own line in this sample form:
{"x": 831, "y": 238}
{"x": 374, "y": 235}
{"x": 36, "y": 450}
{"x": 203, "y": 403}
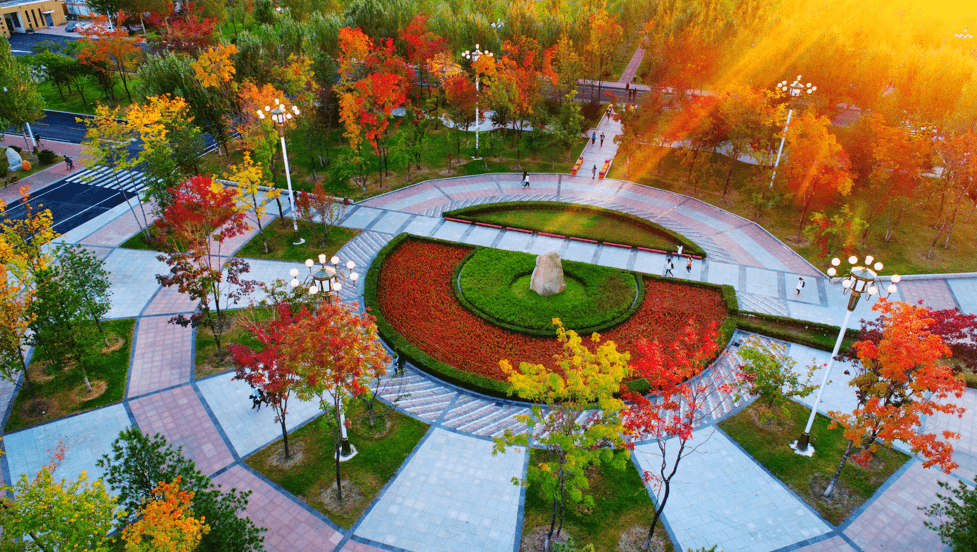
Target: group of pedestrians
{"x": 670, "y": 266}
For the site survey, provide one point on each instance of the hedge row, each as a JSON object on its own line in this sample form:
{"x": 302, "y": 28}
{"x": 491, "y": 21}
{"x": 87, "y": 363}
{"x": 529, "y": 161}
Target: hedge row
{"x": 471, "y": 214}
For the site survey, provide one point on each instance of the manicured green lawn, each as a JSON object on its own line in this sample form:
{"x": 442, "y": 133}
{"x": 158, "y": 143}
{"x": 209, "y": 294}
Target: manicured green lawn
{"x": 620, "y": 499}
{"x": 769, "y": 446}
{"x": 381, "y": 452}
{"x": 59, "y": 393}
{"x": 72, "y": 103}
{"x": 496, "y": 283}
{"x": 281, "y": 247}
{"x": 578, "y": 221}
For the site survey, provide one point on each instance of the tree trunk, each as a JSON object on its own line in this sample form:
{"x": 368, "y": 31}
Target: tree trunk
{"x": 658, "y": 514}
{"x": 281, "y": 214}
{"x": 280, "y": 412}
{"x": 834, "y": 479}
{"x": 337, "y": 435}
{"x": 261, "y": 231}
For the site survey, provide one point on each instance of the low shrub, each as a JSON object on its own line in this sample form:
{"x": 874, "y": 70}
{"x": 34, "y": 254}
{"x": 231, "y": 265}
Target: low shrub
{"x": 46, "y": 156}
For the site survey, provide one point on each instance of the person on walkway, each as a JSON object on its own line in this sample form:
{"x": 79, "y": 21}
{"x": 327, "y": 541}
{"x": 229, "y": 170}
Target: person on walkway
{"x": 593, "y": 173}
{"x": 593, "y": 138}
{"x": 525, "y": 179}
{"x": 800, "y": 286}
{"x": 69, "y": 163}
{"x": 668, "y": 269}
{"x": 37, "y": 138}
{"x": 627, "y": 88}
{"x": 688, "y": 267}
{"x": 679, "y": 254}
{"x": 601, "y": 139}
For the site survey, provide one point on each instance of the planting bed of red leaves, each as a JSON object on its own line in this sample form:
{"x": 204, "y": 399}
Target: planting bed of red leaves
{"x": 425, "y": 311}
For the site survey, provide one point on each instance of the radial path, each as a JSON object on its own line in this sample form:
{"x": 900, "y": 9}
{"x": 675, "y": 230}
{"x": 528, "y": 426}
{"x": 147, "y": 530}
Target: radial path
{"x": 452, "y": 494}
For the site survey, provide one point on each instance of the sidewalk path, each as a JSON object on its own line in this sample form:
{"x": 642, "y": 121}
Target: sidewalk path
{"x": 452, "y": 494}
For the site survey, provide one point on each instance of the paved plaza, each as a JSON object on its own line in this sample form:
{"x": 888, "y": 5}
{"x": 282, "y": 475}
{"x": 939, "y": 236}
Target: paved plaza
{"x": 452, "y": 494}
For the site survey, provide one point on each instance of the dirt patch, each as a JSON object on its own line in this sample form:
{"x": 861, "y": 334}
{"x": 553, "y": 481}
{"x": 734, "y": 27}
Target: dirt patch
{"x": 277, "y": 457}
{"x": 352, "y": 498}
{"x": 770, "y": 419}
{"x": 632, "y": 539}
{"x": 81, "y": 393}
{"x": 113, "y": 343}
{"x": 46, "y": 408}
{"x": 840, "y": 500}
{"x": 37, "y": 372}
{"x": 533, "y": 540}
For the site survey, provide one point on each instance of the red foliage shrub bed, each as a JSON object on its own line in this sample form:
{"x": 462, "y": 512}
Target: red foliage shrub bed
{"x": 414, "y": 295}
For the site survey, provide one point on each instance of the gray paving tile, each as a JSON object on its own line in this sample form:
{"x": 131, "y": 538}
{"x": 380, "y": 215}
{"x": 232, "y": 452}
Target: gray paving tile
{"x": 482, "y": 235}
{"x": 452, "y": 486}
{"x": 422, "y": 226}
{"x": 724, "y": 274}
{"x": 580, "y": 251}
{"x": 617, "y": 257}
{"x": 361, "y": 217}
{"x": 249, "y": 429}
{"x": 132, "y": 274}
{"x": 390, "y": 222}
{"x": 452, "y": 231}
{"x": 965, "y": 292}
{"x": 86, "y": 436}
{"x": 766, "y": 282}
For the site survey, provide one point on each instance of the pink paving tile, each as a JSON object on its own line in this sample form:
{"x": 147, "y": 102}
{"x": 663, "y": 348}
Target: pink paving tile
{"x": 169, "y": 300}
{"x": 353, "y": 546}
{"x": 119, "y": 230}
{"x": 162, "y": 356}
{"x": 180, "y": 416}
{"x": 401, "y": 199}
{"x": 100, "y": 252}
{"x": 794, "y": 262}
{"x": 237, "y": 242}
{"x": 935, "y": 294}
{"x": 290, "y": 526}
{"x": 894, "y": 522}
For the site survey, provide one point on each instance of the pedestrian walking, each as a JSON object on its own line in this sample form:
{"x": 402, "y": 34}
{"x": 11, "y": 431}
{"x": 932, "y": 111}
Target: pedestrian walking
{"x": 688, "y": 267}
{"x": 800, "y": 286}
{"x": 69, "y": 163}
{"x": 37, "y": 138}
{"x": 668, "y": 257}
{"x": 679, "y": 254}
{"x": 601, "y": 139}
{"x": 593, "y": 173}
{"x": 627, "y": 89}
{"x": 668, "y": 269}
{"x": 525, "y": 179}
{"x": 593, "y": 138}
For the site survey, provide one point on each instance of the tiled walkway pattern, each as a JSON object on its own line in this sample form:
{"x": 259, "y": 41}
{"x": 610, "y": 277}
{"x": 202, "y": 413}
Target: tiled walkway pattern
{"x": 452, "y": 493}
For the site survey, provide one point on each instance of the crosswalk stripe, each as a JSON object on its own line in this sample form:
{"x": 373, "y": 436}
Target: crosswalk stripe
{"x": 130, "y": 182}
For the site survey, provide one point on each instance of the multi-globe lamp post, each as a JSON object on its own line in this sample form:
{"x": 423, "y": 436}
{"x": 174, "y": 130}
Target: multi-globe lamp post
{"x": 329, "y": 279}
{"x": 473, "y": 57}
{"x": 861, "y": 279}
{"x": 280, "y": 115}
{"x": 794, "y": 90}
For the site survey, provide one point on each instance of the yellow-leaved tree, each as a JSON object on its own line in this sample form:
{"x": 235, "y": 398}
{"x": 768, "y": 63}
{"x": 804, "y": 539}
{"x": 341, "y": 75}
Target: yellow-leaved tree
{"x": 248, "y": 177}
{"x": 576, "y": 418}
{"x": 167, "y": 523}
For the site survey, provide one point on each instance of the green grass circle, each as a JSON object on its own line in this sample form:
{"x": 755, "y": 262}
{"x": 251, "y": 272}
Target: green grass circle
{"x": 494, "y": 284}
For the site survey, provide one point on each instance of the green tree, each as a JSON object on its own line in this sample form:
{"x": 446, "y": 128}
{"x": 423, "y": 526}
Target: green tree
{"x": 139, "y": 462}
{"x": 769, "y": 374}
{"x": 956, "y": 516}
{"x": 581, "y": 380}
{"x": 50, "y": 515}
{"x": 71, "y": 298}
{"x": 22, "y": 103}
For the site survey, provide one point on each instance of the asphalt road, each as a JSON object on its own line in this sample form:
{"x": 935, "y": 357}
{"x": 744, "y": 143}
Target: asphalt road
{"x": 22, "y": 44}
{"x": 72, "y": 203}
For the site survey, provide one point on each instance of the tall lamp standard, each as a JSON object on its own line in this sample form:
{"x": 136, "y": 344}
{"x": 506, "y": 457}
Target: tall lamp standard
{"x": 280, "y": 115}
{"x": 329, "y": 279}
{"x": 795, "y": 89}
{"x": 473, "y": 57}
{"x": 859, "y": 281}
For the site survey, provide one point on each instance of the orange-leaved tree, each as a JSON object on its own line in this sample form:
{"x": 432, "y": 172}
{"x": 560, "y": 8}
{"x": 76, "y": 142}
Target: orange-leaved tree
{"x": 335, "y": 353}
{"x": 902, "y": 378}
{"x": 678, "y": 404}
{"x": 112, "y": 46}
{"x": 167, "y": 524}
{"x": 816, "y": 167}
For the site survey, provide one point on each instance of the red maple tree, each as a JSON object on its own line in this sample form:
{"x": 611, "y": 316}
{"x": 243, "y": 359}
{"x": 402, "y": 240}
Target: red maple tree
{"x": 677, "y": 407}
{"x": 112, "y": 46}
{"x": 193, "y": 229}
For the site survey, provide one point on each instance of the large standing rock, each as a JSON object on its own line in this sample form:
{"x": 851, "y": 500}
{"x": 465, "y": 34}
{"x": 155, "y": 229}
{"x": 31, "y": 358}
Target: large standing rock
{"x": 548, "y": 275}
{"x": 13, "y": 160}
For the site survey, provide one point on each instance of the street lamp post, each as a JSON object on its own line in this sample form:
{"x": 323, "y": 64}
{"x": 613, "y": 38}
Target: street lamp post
{"x": 329, "y": 279}
{"x": 794, "y": 89}
{"x": 473, "y": 57}
{"x": 280, "y": 115}
{"x": 859, "y": 281}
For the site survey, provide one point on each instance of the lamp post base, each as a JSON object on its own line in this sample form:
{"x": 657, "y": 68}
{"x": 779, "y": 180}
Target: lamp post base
{"x": 345, "y": 449}
{"x": 474, "y": 158}
{"x": 345, "y": 455}
{"x": 298, "y": 241}
{"x": 803, "y": 446}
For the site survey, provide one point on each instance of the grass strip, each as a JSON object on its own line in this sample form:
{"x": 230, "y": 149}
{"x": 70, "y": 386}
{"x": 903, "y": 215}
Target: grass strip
{"x": 767, "y": 438}
{"x": 380, "y": 452}
{"x": 63, "y": 393}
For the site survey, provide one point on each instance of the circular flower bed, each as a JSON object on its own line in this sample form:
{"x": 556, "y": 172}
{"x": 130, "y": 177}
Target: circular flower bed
{"x": 414, "y": 296}
{"x": 495, "y": 283}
